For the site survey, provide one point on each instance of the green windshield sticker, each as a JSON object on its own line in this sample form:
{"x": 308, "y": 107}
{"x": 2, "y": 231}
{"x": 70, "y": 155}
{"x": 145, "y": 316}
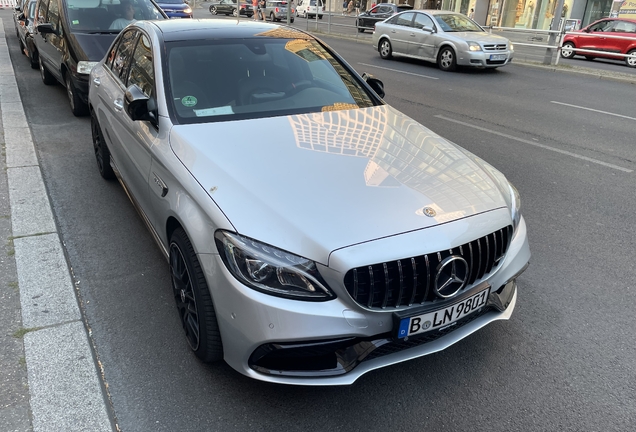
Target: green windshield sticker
{"x": 189, "y": 101}
{"x": 75, "y": 22}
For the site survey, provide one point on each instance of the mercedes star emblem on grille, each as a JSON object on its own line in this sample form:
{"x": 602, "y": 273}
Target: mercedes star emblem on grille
{"x": 452, "y": 275}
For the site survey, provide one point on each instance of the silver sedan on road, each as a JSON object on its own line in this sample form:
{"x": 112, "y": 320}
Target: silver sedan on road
{"x": 447, "y": 38}
{"x": 313, "y": 232}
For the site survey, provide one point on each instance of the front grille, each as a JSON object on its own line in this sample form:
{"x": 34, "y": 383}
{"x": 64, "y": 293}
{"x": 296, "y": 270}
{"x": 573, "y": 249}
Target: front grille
{"x": 409, "y": 281}
{"x": 494, "y": 47}
{"x": 495, "y": 62}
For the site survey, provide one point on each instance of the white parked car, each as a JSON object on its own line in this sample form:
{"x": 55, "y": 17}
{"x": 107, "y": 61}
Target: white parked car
{"x": 313, "y": 232}
{"x": 308, "y": 8}
{"x": 447, "y": 38}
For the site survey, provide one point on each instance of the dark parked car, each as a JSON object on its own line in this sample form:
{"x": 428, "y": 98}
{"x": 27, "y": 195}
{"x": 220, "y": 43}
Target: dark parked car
{"x": 228, "y": 7}
{"x": 71, "y": 40}
{"x": 601, "y": 36}
{"x": 24, "y": 18}
{"x": 175, "y": 8}
{"x": 366, "y": 20}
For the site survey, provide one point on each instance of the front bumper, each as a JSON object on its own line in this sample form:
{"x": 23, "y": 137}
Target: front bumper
{"x": 482, "y": 59}
{"x": 335, "y": 342}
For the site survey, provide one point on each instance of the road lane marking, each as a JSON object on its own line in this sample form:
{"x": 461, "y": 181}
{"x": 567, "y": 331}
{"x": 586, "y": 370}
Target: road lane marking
{"x": 536, "y": 144}
{"x": 396, "y": 70}
{"x": 594, "y": 110}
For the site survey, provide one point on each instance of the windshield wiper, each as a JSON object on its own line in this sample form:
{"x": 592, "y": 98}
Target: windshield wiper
{"x": 99, "y": 31}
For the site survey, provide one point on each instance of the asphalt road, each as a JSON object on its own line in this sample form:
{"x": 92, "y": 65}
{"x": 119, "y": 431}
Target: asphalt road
{"x": 565, "y": 361}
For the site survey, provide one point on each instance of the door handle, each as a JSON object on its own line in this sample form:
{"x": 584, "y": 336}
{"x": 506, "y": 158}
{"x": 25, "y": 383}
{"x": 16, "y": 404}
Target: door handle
{"x": 412, "y": 34}
{"x": 161, "y": 184}
{"x": 97, "y": 82}
{"x": 118, "y": 104}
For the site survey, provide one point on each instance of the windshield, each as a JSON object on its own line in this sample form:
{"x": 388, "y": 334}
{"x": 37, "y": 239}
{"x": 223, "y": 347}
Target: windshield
{"x": 108, "y": 16}
{"x": 251, "y": 78}
{"x": 456, "y": 23}
{"x": 170, "y": 1}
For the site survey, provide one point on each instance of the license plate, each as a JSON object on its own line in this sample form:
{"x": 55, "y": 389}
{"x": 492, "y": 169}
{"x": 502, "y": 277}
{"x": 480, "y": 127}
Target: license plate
{"x": 497, "y": 56}
{"x": 442, "y": 318}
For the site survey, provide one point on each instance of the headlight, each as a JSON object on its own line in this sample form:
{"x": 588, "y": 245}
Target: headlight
{"x": 511, "y": 47}
{"x": 84, "y": 67}
{"x": 474, "y": 46}
{"x": 271, "y": 270}
{"x": 515, "y": 206}
{"x": 187, "y": 10}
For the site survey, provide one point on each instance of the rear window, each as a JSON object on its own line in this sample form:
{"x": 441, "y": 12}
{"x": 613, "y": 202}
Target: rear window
{"x": 108, "y": 16}
{"x": 220, "y": 80}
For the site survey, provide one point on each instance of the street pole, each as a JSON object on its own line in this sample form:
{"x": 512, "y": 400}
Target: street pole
{"x": 553, "y": 36}
{"x": 289, "y": 6}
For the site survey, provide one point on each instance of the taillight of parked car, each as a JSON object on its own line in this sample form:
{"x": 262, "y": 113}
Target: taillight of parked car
{"x": 276, "y": 10}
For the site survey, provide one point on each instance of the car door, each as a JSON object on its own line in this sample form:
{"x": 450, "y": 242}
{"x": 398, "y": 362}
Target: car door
{"x": 594, "y": 38}
{"x": 400, "y": 32}
{"x": 625, "y": 29}
{"x": 377, "y": 14}
{"x": 51, "y": 45}
{"x": 422, "y": 37}
{"x": 128, "y": 141}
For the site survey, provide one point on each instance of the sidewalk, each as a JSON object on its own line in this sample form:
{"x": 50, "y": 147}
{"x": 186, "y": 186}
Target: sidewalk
{"x": 49, "y": 380}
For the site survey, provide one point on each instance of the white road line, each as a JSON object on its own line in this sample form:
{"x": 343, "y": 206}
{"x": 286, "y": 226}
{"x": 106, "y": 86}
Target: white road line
{"x": 395, "y": 70}
{"x": 595, "y": 110}
{"x": 543, "y": 146}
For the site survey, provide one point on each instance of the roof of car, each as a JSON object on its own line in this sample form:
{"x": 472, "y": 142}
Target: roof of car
{"x": 190, "y": 29}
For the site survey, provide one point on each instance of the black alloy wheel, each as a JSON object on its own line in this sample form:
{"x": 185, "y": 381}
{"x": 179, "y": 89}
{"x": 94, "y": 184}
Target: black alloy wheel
{"x": 102, "y": 154}
{"x": 193, "y": 300}
{"x": 567, "y": 51}
{"x": 385, "y": 49}
{"x": 78, "y": 107}
{"x": 446, "y": 59}
{"x": 46, "y": 76}
{"x": 213, "y": 10}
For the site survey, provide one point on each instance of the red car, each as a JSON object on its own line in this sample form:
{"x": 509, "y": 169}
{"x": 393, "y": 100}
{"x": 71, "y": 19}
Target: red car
{"x": 594, "y": 37}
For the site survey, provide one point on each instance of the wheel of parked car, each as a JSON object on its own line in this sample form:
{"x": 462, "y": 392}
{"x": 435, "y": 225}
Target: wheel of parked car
{"x": 234, "y": 12}
{"x": 193, "y": 299}
{"x": 385, "y": 49}
{"x": 272, "y": 18}
{"x": 78, "y": 107}
{"x": 567, "y": 51}
{"x": 33, "y": 58}
{"x": 319, "y": 16}
{"x": 631, "y": 61}
{"x": 47, "y": 78}
{"x": 213, "y": 10}
{"x": 446, "y": 59}
{"x": 360, "y": 28}
{"x": 102, "y": 154}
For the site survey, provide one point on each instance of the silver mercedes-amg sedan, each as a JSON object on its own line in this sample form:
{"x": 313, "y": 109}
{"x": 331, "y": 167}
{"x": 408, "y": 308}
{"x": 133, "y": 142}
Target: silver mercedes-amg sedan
{"x": 313, "y": 232}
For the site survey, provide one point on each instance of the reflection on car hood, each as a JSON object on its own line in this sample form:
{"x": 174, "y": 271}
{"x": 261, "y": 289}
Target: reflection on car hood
{"x": 483, "y": 37}
{"x": 314, "y": 183}
{"x": 92, "y": 47}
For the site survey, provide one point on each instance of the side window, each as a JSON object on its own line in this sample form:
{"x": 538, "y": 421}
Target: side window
{"x": 141, "y": 71}
{"x": 603, "y": 26}
{"x": 405, "y": 19}
{"x": 53, "y": 16}
{"x": 43, "y": 7}
{"x": 624, "y": 27}
{"x": 385, "y": 10}
{"x": 123, "y": 54}
{"x": 111, "y": 55}
{"x": 422, "y": 20}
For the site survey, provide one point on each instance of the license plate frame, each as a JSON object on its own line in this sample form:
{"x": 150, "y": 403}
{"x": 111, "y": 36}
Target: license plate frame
{"x": 424, "y": 321}
{"x": 498, "y": 57}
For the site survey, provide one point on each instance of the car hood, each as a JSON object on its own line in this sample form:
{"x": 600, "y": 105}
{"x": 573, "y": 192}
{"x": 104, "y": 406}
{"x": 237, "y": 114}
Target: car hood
{"x": 482, "y": 37}
{"x": 91, "y": 47}
{"x": 314, "y": 183}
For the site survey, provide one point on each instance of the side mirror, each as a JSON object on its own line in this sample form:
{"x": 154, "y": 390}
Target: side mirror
{"x": 138, "y": 105}
{"x": 21, "y": 17}
{"x": 46, "y": 28}
{"x": 428, "y": 29}
{"x": 17, "y": 8}
{"x": 374, "y": 83}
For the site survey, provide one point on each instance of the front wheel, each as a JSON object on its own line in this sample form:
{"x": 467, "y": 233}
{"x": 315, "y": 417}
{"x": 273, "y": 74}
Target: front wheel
{"x": 319, "y": 16}
{"x": 446, "y": 59}
{"x": 33, "y": 58}
{"x": 385, "y": 49}
{"x": 102, "y": 154}
{"x": 46, "y": 76}
{"x": 567, "y": 50}
{"x": 213, "y": 10}
{"x": 235, "y": 12}
{"x": 271, "y": 17}
{"x": 360, "y": 28}
{"x": 78, "y": 107}
{"x": 631, "y": 61}
{"x": 193, "y": 299}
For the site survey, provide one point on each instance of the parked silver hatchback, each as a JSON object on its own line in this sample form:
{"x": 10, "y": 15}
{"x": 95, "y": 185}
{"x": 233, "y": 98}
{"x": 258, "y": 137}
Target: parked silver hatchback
{"x": 447, "y": 38}
{"x": 277, "y": 11}
{"x": 313, "y": 232}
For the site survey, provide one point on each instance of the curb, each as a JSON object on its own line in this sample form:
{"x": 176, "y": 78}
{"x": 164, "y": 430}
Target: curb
{"x": 65, "y": 388}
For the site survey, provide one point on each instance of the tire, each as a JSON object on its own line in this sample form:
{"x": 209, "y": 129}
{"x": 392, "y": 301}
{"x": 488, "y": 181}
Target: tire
{"x": 33, "y": 58}
{"x": 213, "y": 10}
{"x": 360, "y": 29}
{"x": 631, "y": 62}
{"x": 235, "y": 12}
{"x": 193, "y": 299}
{"x": 78, "y": 107}
{"x": 319, "y": 16}
{"x": 385, "y": 49}
{"x": 46, "y": 76}
{"x": 291, "y": 20}
{"x": 271, "y": 17}
{"x": 102, "y": 154}
{"x": 446, "y": 59}
{"x": 566, "y": 50}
